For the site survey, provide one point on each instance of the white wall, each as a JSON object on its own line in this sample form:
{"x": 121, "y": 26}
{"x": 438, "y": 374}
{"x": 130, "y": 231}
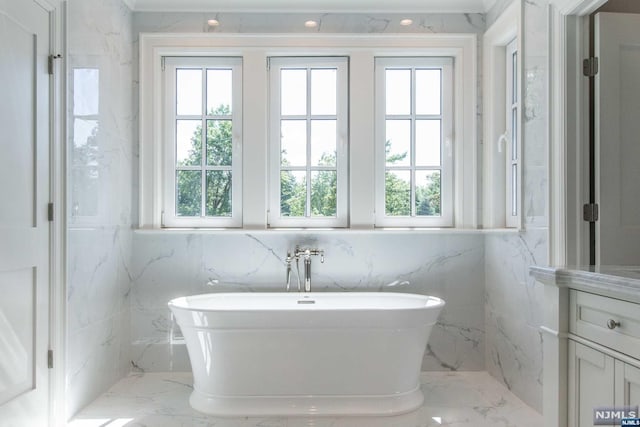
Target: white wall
{"x": 99, "y": 200}
{"x": 513, "y": 298}
{"x": 448, "y": 265}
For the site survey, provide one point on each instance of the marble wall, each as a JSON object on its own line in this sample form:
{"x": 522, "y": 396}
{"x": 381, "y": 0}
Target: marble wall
{"x": 174, "y": 264}
{"x": 99, "y": 178}
{"x": 171, "y": 264}
{"x": 154, "y": 22}
{"x": 513, "y": 298}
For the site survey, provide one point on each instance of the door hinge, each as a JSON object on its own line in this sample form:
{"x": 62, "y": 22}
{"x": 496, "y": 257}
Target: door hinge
{"x": 50, "y": 359}
{"x": 50, "y": 62}
{"x": 590, "y": 67}
{"x": 590, "y": 212}
{"x": 163, "y": 64}
{"x": 50, "y": 212}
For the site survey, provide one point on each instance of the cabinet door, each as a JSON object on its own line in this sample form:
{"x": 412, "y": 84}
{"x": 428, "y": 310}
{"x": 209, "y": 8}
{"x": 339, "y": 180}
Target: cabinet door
{"x": 627, "y": 391}
{"x": 591, "y": 383}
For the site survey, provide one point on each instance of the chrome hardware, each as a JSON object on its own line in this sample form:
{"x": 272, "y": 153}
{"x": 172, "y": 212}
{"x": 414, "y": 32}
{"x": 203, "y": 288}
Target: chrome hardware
{"x": 288, "y": 261}
{"x": 305, "y": 254}
{"x": 612, "y": 324}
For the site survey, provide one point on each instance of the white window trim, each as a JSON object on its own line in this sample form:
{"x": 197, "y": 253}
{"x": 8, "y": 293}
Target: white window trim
{"x": 342, "y": 142}
{"x": 494, "y": 180}
{"x": 361, "y": 50}
{"x": 446, "y": 148}
{"x": 512, "y": 218}
{"x": 170, "y": 219}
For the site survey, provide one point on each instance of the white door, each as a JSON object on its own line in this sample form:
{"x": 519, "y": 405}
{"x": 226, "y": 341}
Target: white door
{"x": 24, "y": 229}
{"x": 617, "y": 138}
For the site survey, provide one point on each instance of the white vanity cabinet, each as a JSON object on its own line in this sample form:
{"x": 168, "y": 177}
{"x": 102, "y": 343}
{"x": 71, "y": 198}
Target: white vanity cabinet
{"x": 591, "y": 343}
{"x": 597, "y": 380}
{"x": 627, "y": 380}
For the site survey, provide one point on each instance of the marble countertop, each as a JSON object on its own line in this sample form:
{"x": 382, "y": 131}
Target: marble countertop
{"x": 622, "y": 282}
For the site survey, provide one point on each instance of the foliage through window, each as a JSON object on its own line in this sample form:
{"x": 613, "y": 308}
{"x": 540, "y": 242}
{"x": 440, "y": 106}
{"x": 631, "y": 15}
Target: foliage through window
{"x": 308, "y": 141}
{"x": 414, "y": 128}
{"x": 85, "y": 171}
{"x": 203, "y": 117}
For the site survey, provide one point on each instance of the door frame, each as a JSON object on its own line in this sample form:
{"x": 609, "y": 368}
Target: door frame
{"x": 568, "y": 130}
{"x": 568, "y": 177}
{"x": 57, "y": 196}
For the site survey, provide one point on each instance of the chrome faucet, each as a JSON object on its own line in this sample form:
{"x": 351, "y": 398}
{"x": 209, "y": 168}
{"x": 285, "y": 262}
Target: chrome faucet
{"x": 306, "y": 254}
{"x": 288, "y": 261}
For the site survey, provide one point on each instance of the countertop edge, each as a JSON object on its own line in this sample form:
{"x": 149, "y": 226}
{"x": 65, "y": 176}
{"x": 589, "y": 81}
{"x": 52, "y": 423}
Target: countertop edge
{"x": 615, "y": 282}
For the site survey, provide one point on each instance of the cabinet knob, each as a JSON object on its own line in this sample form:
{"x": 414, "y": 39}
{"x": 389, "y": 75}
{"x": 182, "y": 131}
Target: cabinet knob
{"x": 612, "y": 324}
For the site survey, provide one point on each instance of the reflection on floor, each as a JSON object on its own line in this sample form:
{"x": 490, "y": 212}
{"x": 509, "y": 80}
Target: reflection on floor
{"x": 451, "y": 399}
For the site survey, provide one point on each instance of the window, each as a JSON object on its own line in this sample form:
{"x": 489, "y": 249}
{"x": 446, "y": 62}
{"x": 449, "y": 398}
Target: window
{"x": 202, "y": 144}
{"x": 86, "y": 201}
{"x": 414, "y": 125}
{"x": 307, "y": 122}
{"x": 308, "y": 142}
{"x": 512, "y": 151}
{"x": 502, "y": 134}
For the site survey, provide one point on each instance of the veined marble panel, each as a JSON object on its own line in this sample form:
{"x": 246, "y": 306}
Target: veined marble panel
{"x": 536, "y": 113}
{"x": 450, "y": 266}
{"x": 514, "y": 309}
{"x": 513, "y": 300}
{"x": 496, "y": 10}
{"x": 294, "y": 23}
{"x": 99, "y": 185}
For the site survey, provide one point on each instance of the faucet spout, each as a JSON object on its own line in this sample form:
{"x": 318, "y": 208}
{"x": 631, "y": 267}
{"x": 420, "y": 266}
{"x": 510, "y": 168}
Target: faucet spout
{"x": 307, "y": 274}
{"x": 288, "y": 260}
{"x": 307, "y": 253}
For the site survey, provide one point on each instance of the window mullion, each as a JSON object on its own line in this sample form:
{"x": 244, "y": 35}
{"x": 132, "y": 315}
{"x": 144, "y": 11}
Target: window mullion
{"x": 412, "y": 161}
{"x": 308, "y": 142}
{"x": 203, "y": 146}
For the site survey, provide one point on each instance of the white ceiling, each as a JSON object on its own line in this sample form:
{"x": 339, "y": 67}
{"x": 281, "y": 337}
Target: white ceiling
{"x": 318, "y": 6}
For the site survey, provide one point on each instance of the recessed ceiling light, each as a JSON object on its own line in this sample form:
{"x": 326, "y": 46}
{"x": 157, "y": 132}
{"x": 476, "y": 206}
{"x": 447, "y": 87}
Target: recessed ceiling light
{"x": 311, "y": 23}
{"x": 406, "y": 22}
{"x": 213, "y": 22}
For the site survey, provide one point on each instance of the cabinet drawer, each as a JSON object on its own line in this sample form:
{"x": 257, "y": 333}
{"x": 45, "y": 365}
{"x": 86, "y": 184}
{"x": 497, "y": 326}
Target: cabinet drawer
{"x": 607, "y": 321}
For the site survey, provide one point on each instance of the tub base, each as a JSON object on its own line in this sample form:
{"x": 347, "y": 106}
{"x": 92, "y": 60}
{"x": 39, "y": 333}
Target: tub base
{"x": 254, "y": 406}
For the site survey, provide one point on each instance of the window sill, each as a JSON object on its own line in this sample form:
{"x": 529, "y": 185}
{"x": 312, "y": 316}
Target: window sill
{"x": 315, "y": 231}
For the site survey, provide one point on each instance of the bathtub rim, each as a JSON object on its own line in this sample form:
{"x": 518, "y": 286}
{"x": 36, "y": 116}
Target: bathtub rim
{"x": 180, "y": 303}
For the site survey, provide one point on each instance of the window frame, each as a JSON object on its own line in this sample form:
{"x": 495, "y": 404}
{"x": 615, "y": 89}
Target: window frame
{"x": 496, "y": 203}
{"x": 276, "y": 65}
{"x": 361, "y": 49}
{"x": 513, "y": 102}
{"x": 170, "y": 66}
{"x": 445, "y": 64}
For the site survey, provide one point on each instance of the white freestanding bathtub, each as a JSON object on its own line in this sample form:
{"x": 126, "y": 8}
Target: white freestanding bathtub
{"x": 306, "y": 353}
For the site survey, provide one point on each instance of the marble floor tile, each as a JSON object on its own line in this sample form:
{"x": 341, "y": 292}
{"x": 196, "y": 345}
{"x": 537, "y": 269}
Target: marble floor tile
{"x": 451, "y": 399}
